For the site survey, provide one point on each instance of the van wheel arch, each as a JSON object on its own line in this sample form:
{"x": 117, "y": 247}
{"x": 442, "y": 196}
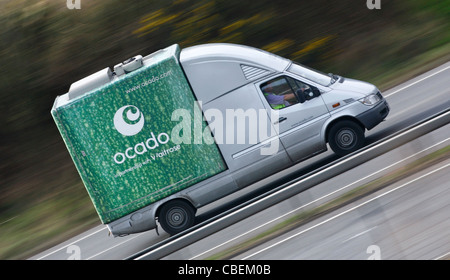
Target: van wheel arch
{"x": 352, "y": 125}
{"x": 176, "y": 215}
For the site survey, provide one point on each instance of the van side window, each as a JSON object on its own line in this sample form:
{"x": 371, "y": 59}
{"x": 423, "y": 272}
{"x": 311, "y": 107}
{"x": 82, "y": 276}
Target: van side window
{"x": 304, "y": 91}
{"x": 279, "y": 93}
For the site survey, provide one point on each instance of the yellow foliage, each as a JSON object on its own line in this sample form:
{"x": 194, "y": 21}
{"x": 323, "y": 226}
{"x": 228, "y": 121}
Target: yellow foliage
{"x": 152, "y": 16}
{"x": 154, "y": 20}
{"x": 277, "y": 46}
{"x": 196, "y": 19}
{"x": 312, "y": 45}
{"x": 256, "y": 19}
{"x": 205, "y": 9}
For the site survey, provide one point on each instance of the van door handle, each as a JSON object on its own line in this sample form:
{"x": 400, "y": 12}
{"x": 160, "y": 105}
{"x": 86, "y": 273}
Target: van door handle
{"x": 280, "y": 120}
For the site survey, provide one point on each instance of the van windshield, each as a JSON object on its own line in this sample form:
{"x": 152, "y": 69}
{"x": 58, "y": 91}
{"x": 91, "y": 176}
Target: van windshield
{"x": 310, "y": 74}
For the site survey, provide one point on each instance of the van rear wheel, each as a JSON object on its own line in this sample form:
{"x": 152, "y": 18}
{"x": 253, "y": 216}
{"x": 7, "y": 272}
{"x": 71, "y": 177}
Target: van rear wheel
{"x": 346, "y": 137}
{"x": 176, "y": 216}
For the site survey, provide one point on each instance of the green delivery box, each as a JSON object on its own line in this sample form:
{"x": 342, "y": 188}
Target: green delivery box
{"x": 124, "y": 136}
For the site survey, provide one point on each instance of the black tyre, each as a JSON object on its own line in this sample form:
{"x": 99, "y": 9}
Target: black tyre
{"x": 346, "y": 137}
{"x": 176, "y": 216}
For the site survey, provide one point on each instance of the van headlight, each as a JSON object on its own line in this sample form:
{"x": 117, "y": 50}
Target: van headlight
{"x": 370, "y": 99}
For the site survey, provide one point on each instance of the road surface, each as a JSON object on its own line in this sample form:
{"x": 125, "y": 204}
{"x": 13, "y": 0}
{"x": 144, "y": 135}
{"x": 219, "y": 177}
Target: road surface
{"x": 407, "y": 220}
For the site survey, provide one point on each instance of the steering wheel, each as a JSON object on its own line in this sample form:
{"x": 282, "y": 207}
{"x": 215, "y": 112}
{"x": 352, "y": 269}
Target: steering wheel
{"x": 300, "y": 95}
{"x": 308, "y": 93}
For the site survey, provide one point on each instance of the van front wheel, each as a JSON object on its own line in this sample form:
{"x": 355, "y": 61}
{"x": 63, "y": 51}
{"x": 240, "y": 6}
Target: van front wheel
{"x": 346, "y": 137}
{"x": 176, "y": 216}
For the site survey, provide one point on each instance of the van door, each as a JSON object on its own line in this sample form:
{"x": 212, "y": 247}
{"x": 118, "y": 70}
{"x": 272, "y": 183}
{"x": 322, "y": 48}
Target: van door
{"x": 301, "y": 114}
{"x": 243, "y": 130}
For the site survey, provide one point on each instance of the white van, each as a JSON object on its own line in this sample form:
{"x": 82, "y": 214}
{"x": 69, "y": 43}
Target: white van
{"x": 297, "y": 111}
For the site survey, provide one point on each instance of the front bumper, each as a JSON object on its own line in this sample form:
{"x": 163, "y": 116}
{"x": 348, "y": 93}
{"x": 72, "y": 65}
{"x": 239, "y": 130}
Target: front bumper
{"x": 375, "y": 115}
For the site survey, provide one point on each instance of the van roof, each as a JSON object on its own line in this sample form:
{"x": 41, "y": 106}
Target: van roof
{"x": 217, "y": 69}
{"x": 227, "y": 51}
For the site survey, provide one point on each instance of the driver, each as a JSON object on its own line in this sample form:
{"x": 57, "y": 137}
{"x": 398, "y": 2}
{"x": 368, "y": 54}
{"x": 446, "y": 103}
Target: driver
{"x": 277, "y": 101}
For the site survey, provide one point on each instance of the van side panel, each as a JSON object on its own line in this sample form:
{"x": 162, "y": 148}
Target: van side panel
{"x": 245, "y": 135}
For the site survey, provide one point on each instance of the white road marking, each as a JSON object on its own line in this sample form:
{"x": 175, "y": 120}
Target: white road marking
{"x": 318, "y": 199}
{"x": 110, "y": 248}
{"x": 347, "y": 211}
{"x": 416, "y": 82}
{"x": 358, "y": 235}
{"x": 442, "y": 256}
{"x": 78, "y": 240}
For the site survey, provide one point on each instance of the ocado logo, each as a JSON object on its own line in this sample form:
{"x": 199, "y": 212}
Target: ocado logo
{"x": 128, "y": 120}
